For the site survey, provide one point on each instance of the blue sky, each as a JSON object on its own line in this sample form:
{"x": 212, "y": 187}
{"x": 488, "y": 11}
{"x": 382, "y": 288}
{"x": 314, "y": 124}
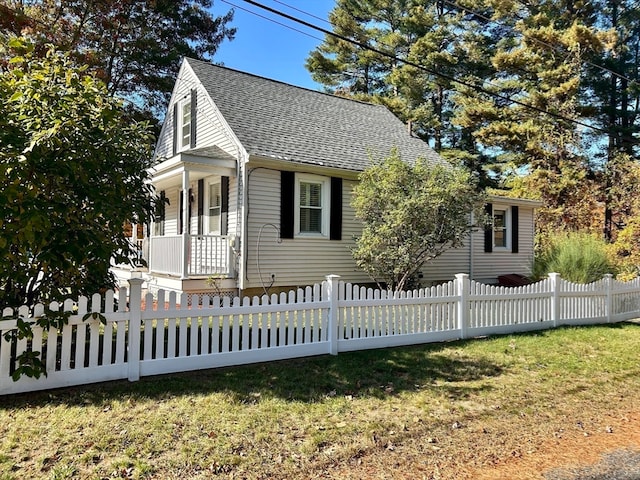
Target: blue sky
{"x": 267, "y": 49}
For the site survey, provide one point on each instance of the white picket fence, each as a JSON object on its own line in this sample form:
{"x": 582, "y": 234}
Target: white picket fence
{"x": 169, "y": 333}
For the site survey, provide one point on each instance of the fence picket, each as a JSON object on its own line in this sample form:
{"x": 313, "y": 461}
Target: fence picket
{"x": 204, "y": 327}
{"x": 318, "y": 318}
{"x": 296, "y": 322}
{"x": 226, "y": 303}
{"x": 256, "y": 326}
{"x": 94, "y": 329}
{"x": 183, "y": 327}
{"x": 281, "y": 322}
{"x": 246, "y": 326}
{"x": 235, "y": 333}
{"x": 308, "y": 315}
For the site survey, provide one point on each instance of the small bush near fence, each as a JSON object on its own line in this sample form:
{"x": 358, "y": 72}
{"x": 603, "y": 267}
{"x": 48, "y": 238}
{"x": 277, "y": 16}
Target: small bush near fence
{"x": 103, "y": 339}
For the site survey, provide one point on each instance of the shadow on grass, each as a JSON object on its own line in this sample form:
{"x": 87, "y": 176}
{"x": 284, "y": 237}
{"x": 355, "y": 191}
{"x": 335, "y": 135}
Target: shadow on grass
{"x": 373, "y": 373}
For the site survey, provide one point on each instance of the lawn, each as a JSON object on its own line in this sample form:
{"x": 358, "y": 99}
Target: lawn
{"x": 422, "y": 412}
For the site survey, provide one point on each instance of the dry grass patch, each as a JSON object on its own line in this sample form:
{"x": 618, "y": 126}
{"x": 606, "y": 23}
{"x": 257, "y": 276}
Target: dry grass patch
{"x": 431, "y": 411}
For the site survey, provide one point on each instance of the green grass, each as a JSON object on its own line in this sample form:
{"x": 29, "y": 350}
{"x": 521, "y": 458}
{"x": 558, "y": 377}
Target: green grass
{"x": 293, "y": 419}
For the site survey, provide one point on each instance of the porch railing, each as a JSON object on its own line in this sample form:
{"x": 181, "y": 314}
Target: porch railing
{"x": 209, "y": 255}
{"x": 206, "y": 255}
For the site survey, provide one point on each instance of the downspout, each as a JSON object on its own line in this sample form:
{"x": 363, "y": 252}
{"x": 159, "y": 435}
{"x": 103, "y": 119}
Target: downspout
{"x": 242, "y": 264}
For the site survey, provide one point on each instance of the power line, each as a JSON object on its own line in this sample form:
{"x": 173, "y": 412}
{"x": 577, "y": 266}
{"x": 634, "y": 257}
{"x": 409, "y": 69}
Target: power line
{"x": 326, "y": 21}
{"x": 305, "y": 13}
{"x": 272, "y": 20}
{"x": 423, "y": 68}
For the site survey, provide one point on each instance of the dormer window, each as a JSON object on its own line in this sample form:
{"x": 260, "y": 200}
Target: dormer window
{"x": 184, "y": 122}
{"x": 185, "y": 110}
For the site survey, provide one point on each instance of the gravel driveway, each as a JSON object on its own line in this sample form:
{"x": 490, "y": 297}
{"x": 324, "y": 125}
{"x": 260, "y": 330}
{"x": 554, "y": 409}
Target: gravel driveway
{"x": 618, "y": 465}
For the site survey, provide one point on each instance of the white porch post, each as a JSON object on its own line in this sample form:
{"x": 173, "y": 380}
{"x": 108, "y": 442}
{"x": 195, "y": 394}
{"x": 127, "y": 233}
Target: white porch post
{"x": 185, "y": 224}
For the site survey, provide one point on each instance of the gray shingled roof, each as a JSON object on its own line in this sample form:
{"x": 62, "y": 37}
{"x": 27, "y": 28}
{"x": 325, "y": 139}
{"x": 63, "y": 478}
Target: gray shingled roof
{"x": 278, "y": 120}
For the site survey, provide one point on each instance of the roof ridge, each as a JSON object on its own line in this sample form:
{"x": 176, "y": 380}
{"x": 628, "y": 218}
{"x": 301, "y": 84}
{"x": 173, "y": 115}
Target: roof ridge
{"x": 328, "y": 94}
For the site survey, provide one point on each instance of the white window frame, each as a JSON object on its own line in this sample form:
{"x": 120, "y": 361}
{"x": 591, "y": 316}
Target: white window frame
{"x": 184, "y": 141}
{"x": 506, "y": 229}
{"x": 209, "y": 230}
{"x": 324, "y": 204}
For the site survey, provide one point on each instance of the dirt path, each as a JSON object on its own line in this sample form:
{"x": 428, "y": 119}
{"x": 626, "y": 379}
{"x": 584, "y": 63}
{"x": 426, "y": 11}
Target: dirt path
{"x": 565, "y": 457}
{"x": 612, "y": 444}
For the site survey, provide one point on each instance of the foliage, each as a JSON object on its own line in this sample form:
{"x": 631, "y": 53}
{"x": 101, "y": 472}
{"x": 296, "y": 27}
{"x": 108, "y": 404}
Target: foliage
{"x": 411, "y": 214}
{"x": 435, "y": 35}
{"x": 624, "y": 205}
{"x": 577, "y": 257}
{"x": 134, "y": 46}
{"x": 577, "y": 61}
{"x": 570, "y": 195}
{"x": 625, "y": 251}
{"x": 73, "y": 174}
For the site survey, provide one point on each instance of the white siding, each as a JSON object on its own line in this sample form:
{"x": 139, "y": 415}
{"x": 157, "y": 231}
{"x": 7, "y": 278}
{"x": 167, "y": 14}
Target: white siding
{"x": 302, "y": 261}
{"x": 488, "y": 266}
{"x": 447, "y": 265}
{"x": 233, "y": 226}
{"x": 210, "y": 127}
{"x": 298, "y": 261}
{"x": 171, "y": 212}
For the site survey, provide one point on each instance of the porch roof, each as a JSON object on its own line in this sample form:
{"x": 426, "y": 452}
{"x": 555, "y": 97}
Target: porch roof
{"x": 200, "y": 163}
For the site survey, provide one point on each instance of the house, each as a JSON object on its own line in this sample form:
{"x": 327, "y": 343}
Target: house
{"x": 256, "y": 177}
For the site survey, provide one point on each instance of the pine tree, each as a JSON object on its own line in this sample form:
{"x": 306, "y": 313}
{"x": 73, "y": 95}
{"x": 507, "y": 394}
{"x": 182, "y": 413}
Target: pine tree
{"x": 434, "y": 37}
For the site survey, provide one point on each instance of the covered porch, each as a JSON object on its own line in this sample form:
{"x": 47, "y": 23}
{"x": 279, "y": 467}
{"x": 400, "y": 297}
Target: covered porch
{"x": 189, "y": 255}
{"x": 190, "y": 236}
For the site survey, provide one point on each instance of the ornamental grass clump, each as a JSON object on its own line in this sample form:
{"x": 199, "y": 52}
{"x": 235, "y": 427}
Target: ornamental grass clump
{"x": 577, "y": 257}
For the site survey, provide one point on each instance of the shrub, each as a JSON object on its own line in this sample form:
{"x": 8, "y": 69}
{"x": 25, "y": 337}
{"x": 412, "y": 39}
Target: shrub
{"x": 577, "y": 257}
{"x": 625, "y": 251}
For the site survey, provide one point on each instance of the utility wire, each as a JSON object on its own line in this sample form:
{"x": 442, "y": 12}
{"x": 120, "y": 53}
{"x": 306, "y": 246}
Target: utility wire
{"x": 272, "y": 20}
{"x": 423, "y": 68}
{"x": 303, "y": 12}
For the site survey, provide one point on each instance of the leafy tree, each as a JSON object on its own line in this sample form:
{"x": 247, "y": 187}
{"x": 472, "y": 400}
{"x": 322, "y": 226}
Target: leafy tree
{"x": 134, "y": 46}
{"x": 73, "y": 172}
{"x": 625, "y": 247}
{"x": 411, "y": 214}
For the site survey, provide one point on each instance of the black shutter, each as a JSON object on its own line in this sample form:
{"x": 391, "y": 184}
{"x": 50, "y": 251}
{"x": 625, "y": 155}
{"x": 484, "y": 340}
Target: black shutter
{"x": 160, "y": 206}
{"x": 194, "y": 116}
{"x": 287, "y": 204}
{"x": 335, "y": 225}
{"x": 224, "y": 207}
{"x": 488, "y": 231}
{"x": 176, "y": 121}
{"x": 514, "y": 229}
{"x": 201, "y": 206}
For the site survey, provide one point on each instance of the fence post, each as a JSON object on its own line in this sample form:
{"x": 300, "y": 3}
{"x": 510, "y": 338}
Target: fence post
{"x": 135, "y": 321}
{"x": 608, "y": 281}
{"x": 462, "y": 289}
{"x": 332, "y": 295}
{"x": 554, "y": 283}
